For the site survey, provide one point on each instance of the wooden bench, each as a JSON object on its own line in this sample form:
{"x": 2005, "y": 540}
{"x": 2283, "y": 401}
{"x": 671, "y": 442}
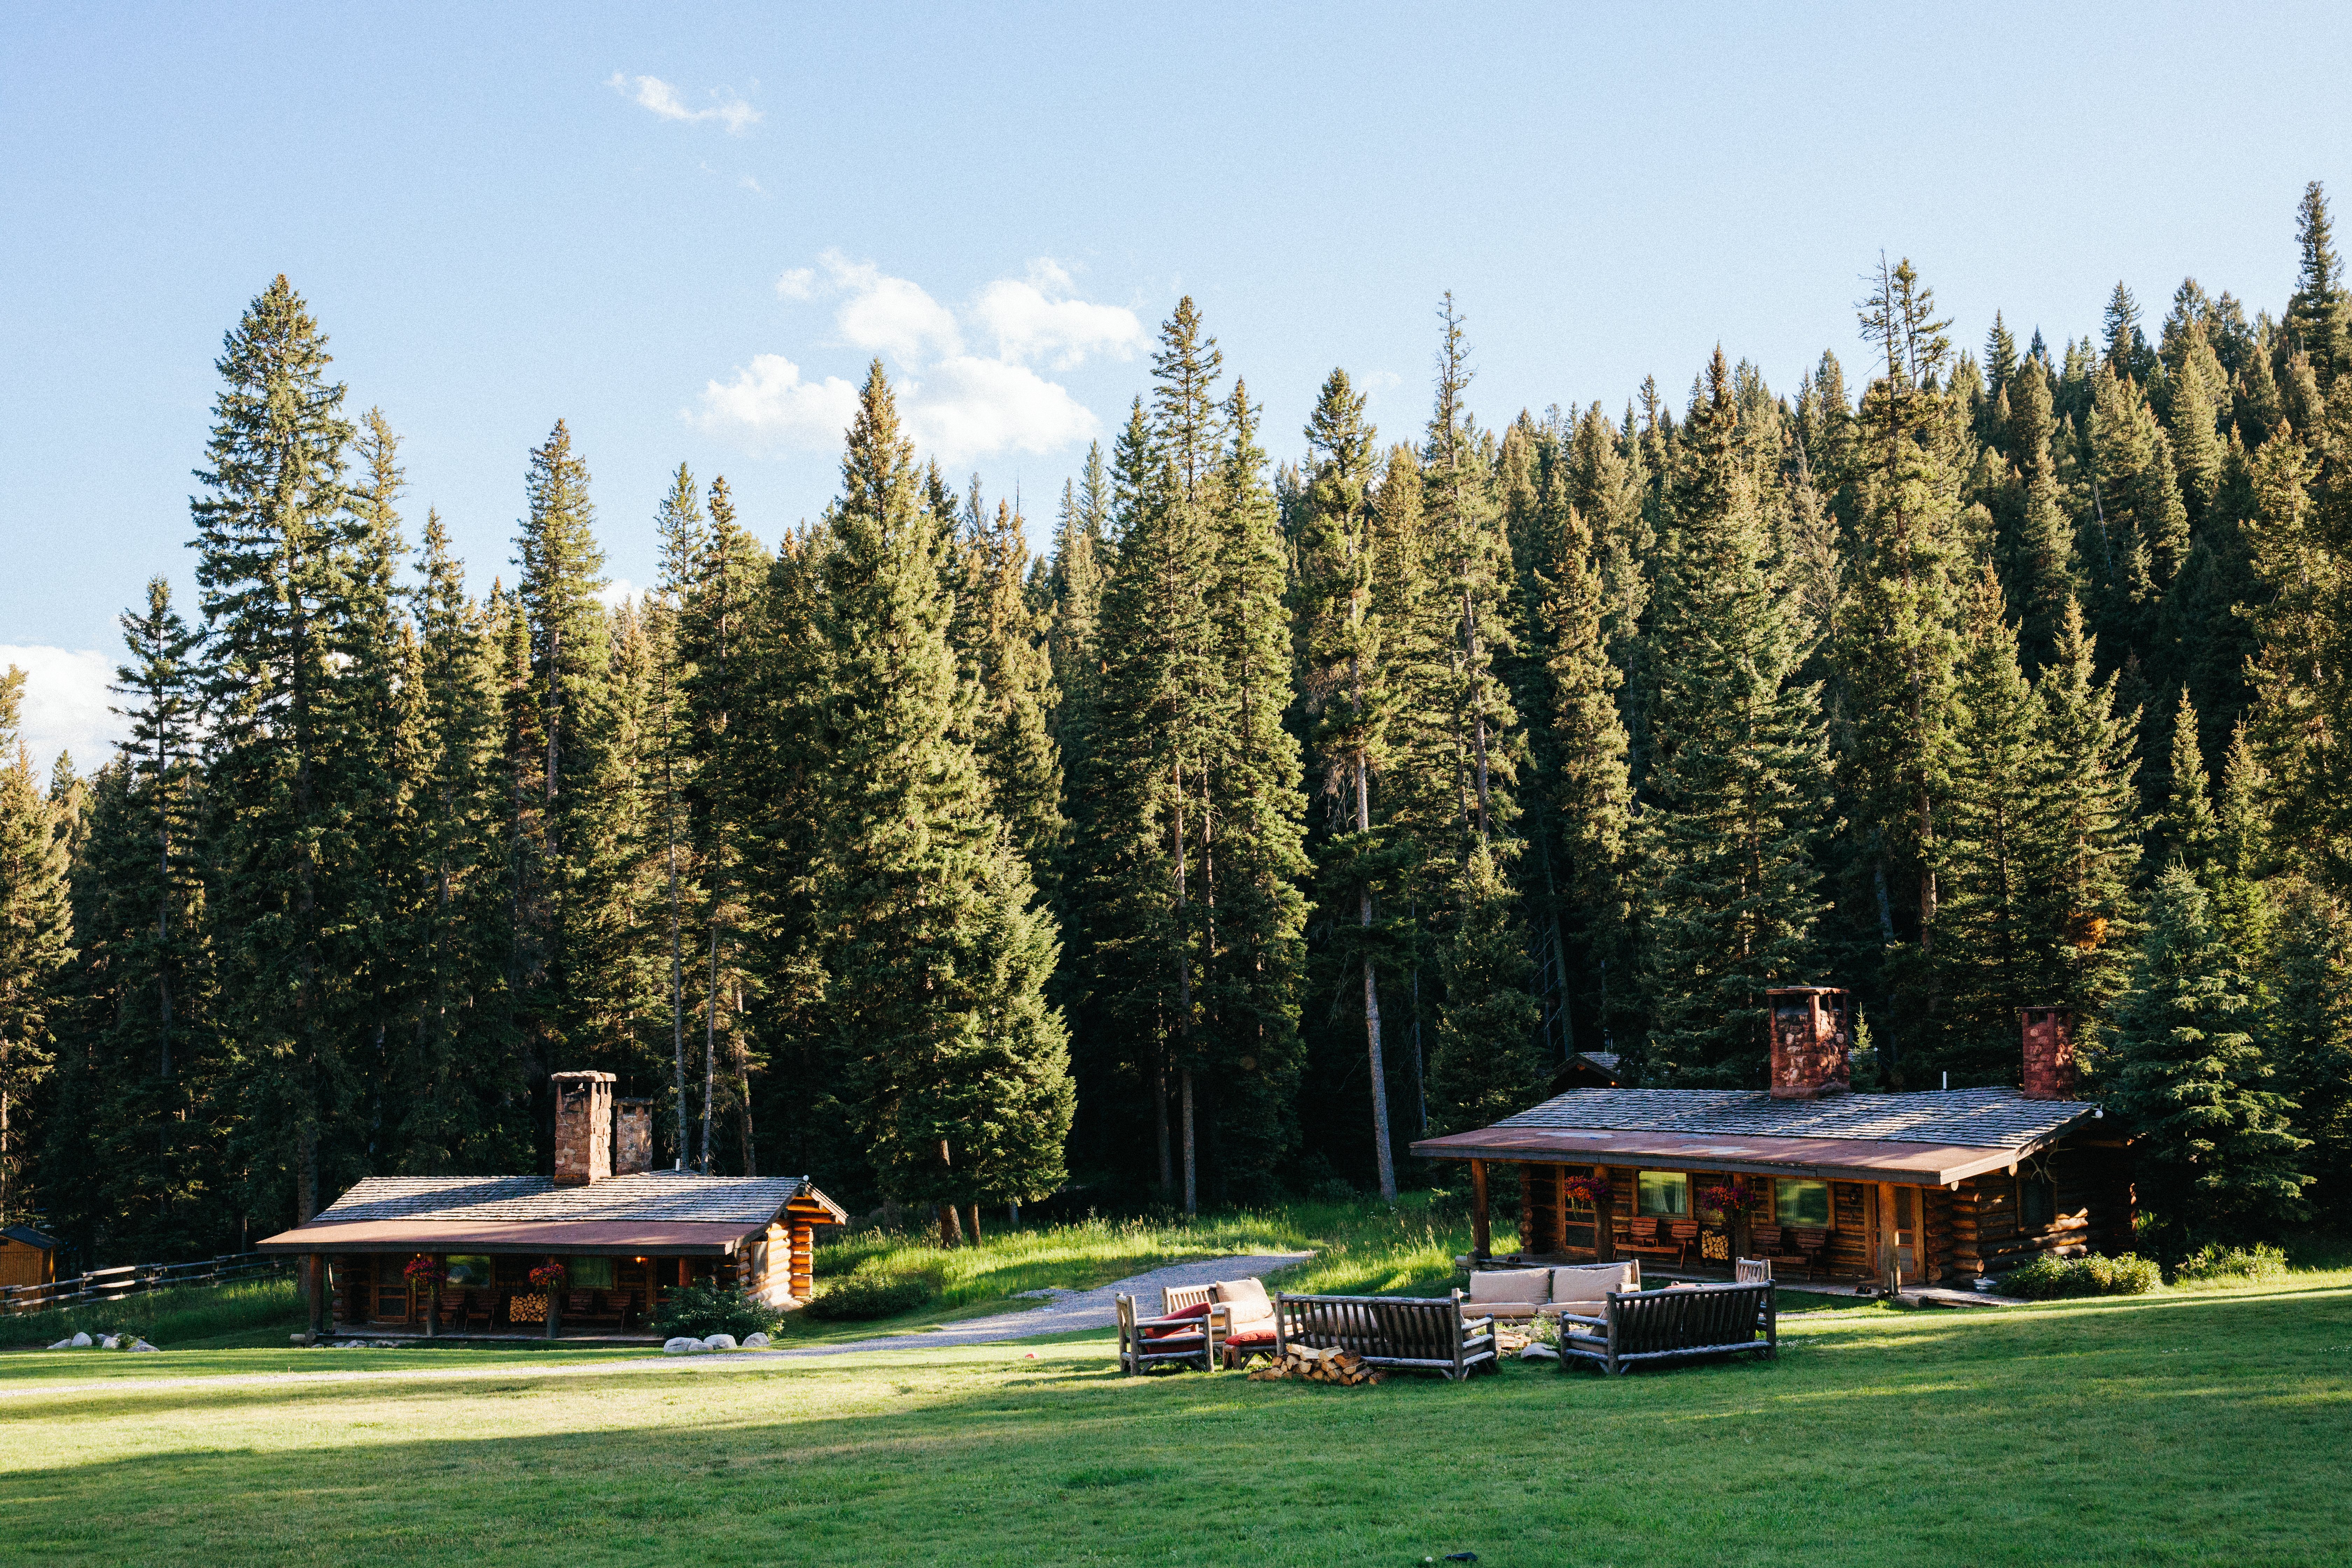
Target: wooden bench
{"x": 1641, "y": 1236}
{"x": 1414, "y": 1333}
{"x": 1671, "y": 1325}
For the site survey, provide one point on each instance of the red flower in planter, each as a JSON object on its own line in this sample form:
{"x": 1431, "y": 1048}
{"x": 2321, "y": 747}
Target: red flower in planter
{"x": 1592, "y": 1190}
{"x": 548, "y": 1276}
{"x": 426, "y": 1273}
{"x": 1730, "y": 1197}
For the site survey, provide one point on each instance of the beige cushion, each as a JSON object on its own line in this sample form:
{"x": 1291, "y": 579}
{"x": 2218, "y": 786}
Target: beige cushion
{"x": 1490, "y": 1285}
{"x": 1246, "y": 1301}
{"x": 1593, "y": 1281}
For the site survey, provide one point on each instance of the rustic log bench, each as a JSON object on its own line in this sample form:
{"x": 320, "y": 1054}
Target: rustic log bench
{"x": 1416, "y": 1333}
{"x": 1670, "y": 1325}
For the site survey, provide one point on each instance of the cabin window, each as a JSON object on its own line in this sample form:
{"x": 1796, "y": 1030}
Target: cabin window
{"x": 2037, "y": 1200}
{"x": 588, "y": 1273}
{"x": 1664, "y": 1191}
{"x": 468, "y": 1272}
{"x": 1805, "y": 1203}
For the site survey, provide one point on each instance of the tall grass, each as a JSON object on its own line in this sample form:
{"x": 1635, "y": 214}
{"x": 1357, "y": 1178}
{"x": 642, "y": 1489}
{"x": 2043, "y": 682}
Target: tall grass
{"x": 1359, "y": 1248}
{"x": 166, "y": 1317}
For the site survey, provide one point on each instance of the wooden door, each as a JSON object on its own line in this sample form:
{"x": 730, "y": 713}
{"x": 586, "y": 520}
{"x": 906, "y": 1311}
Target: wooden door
{"x": 1901, "y": 1211}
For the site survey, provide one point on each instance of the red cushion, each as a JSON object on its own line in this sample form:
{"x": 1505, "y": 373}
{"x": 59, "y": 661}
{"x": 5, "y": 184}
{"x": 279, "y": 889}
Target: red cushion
{"x": 1184, "y": 1332}
{"x": 1251, "y": 1337}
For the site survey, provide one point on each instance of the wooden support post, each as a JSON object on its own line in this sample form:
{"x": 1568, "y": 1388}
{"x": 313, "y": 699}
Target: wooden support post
{"x": 1480, "y": 1248}
{"x": 1890, "y": 1255}
{"x": 1604, "y": 1222}
{"x": 318, "y": 1291}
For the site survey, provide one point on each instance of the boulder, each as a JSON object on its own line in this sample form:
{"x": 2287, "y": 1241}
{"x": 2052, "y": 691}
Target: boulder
{"x": 720, "y": 1342}
{"x": 698, "y": 1347}
{"x": 1539, "y": 1352}
{"x": 755, "y": 1341}
{"x": 81, "y": 1342}
{"x": 62, "y": 1345}
{"x": 110, "y": 1342}
{"x": 682, "y": 1346}
{"x": 140, "y": 1345}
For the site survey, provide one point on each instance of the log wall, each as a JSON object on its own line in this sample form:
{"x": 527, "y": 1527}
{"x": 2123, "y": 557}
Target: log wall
{"x": 2092, "y": 1211}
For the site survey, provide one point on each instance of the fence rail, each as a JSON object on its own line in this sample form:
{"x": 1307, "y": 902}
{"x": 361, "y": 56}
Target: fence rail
{"x": 137, "y": 1280}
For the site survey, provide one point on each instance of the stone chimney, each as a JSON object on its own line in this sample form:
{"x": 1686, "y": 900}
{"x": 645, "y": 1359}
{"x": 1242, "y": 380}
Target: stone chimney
{"x": 2049, "y": 1052}
{"x": 633, "y": 1137}
{"x": 1811, "y": 1030}
{"x": 584, "y": 1127}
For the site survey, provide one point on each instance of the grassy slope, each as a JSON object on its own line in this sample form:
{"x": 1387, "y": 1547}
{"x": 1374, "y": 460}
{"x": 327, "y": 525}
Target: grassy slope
{"x": 2181, "y": 1428}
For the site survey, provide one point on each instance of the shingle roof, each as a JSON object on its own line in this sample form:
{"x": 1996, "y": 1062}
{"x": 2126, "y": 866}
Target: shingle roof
{"x": 1967, "y": 1118}
{"x": 672, "y": 1197}
{"x": 1605, "y": 1060}
{"x": 30, "y": 1237}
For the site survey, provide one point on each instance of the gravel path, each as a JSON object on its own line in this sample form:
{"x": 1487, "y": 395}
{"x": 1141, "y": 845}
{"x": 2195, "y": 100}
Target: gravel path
{"x": 1077, "y": 1309}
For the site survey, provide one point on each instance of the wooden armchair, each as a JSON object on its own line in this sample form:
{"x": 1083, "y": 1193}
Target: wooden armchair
{"x": 1774, "y": 1244}
{"x": 1145, "y": 1342}
{"x": 1811, "y": 1244}
{"x": 1642, "y": 1237}
{"x": 1683, "y": 1234}
{"x": 597, "y": 1309}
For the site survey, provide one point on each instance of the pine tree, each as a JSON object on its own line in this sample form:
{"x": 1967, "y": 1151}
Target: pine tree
{"x": 36, "y": 936}
{"x": 1003, "y": 645}
{"x": 2213, "y": 1150}
{"x": 2185, "y": 829}
{"x": 2082, "y": 873}
{"x": 1739, "y": 782}
{"x": 936, "y": 956}
{"x": 680, "y": 528}
{"x": 1894, "y": 643}
{"x": 1346, "y": 689}
{"x": 2319, "y": 312}
{"x": 1989, "y": 848}
{"x": 2309, "y": 984}
{"x": 462, "y": 1073}
{"x": 273, "y": 567}
{"x": 558, "y": 727}
{"x": 1252, "y": 854}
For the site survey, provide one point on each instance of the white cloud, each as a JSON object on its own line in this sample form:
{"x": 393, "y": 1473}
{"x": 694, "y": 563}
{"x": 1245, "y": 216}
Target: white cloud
{"x": 769, "y": 406}
{"x": 617, "y": 592}
{"x": 967, "y": 407}
{"x": 750, "y": 185}
{"x": 650, "y": 92}
{"x": 956, "y": 405}
{"x": 1036, "y": 318}
{"x": 67, "y": 704}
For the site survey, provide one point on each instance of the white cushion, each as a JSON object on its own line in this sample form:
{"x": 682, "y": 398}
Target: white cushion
{"x": 1247, "y": 1298}
{"x": 1532, "y": 1285}
{"x": 1513, "y": 1310}
{"x": 1593, "y": 1281}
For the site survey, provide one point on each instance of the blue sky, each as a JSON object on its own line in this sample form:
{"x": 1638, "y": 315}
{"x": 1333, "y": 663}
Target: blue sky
{"x": 686, "y": 231}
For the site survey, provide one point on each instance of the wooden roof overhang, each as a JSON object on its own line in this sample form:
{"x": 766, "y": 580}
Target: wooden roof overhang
{"x": 590, "y": 1239}
{"x": 1820, "y": 1159}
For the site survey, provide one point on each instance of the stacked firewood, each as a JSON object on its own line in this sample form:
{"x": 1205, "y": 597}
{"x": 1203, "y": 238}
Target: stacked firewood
{"x": 1310, "y": 1365}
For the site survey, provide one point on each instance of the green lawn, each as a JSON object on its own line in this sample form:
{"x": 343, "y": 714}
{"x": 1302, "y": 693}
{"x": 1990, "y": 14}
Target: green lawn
{"x": 2186, "y": 1428}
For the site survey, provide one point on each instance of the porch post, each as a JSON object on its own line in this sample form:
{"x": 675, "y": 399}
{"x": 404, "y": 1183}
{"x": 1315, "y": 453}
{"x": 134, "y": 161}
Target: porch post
{"x": 316, "y": 1284}
{"x": 1480, "y": 1248}
{"x": 1604, "y": 1222}
{"x": 1890, "y": 1255}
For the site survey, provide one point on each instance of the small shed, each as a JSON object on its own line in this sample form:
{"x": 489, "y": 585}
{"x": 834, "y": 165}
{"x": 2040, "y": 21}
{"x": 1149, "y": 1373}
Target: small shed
{"x": 624, "y": 1238}
{"x": 27, "y": 1257}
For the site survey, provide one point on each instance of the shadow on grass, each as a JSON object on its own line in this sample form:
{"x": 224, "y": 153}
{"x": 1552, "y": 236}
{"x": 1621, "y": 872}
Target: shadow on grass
{"x": 2208, "y": 1433}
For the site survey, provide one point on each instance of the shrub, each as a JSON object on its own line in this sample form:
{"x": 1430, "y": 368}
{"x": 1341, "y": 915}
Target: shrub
{"x": 2048, "y": 1279}
{"x": 2216, "y": 1262}
{"x": 698, "y": 1311}
{"x": 861, "y": 1296}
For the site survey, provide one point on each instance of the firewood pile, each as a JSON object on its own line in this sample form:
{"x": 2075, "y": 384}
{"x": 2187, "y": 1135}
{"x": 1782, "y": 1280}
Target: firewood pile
{"x": 1310, "y": 1365}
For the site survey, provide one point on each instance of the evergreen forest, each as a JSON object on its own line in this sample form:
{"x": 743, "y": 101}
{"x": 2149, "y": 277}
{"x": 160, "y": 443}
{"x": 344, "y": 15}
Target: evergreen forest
{"x": 1286, "y": 810}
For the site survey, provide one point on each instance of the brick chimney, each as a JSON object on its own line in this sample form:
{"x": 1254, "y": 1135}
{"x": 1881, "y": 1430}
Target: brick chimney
{"x": 633, "y": 1137}
{"x": 2049, "y": 1052}
{"x": 1811, "y": 1034}
{"x": 584, "y": 1127}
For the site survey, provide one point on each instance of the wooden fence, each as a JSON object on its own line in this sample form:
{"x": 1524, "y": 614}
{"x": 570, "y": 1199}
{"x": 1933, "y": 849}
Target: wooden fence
{"x": 137, "y": 1280}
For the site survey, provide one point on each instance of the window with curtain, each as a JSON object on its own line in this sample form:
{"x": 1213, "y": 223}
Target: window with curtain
{"x": 1798, "y": 1203}
{"x": 1663, "y": 1192}
{"x": 588, "y": 1273}
{"x": 469, "y": 1273}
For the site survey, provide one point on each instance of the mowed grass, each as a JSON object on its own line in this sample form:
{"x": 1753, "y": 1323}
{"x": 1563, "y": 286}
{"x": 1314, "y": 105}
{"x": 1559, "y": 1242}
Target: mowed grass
{"x": 2205, "y": 1427}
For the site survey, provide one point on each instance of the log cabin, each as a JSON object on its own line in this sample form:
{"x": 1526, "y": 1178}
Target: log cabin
{"x": 626, "y": 1233}
{"x": 1941, "y": 1187}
